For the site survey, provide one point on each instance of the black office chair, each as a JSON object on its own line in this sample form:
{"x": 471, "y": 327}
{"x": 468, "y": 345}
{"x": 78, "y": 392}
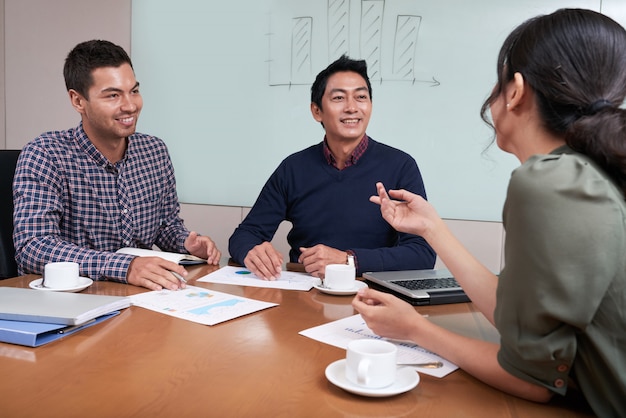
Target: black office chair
{"x": 8, "y": 161}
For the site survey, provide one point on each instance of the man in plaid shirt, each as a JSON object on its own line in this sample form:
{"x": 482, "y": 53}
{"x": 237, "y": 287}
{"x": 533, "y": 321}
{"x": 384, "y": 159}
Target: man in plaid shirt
{"x": 82, "y": 194}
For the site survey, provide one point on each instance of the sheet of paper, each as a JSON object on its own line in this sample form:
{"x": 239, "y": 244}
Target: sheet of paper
{"x": 198, "y": 304}
{"x": 339, "y": 333}
{"x": 289, "y": 280}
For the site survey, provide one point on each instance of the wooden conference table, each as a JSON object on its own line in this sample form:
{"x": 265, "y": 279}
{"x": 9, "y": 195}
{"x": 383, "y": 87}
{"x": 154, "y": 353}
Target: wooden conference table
{"x": 145, "y": 364}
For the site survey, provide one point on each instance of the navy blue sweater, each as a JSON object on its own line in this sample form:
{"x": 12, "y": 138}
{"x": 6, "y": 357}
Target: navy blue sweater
{"x": 331, "y": 207}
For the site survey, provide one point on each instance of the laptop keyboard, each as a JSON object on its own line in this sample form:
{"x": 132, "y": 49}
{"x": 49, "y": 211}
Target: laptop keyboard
{"x": 426, "y": 284}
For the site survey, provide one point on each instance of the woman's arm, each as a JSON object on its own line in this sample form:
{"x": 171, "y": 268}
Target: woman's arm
{"x": 411, "y": 213}
{"x": 391, "y": 317}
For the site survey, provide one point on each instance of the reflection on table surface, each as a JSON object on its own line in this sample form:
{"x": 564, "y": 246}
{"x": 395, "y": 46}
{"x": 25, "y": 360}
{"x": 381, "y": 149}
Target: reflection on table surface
{"x": 142, "y": 363}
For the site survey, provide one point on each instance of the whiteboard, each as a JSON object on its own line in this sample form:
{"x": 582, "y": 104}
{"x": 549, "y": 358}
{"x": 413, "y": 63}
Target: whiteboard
{"x": 226, "y": 84}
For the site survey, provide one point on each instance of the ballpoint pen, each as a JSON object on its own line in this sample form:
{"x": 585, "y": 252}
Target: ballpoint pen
{"x": 74, "y": 327}
{"x": 179, "y": 277}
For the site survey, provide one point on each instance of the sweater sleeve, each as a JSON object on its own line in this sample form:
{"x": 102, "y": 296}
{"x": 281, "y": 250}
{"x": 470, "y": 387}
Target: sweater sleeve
{"x": 262, "y": 221}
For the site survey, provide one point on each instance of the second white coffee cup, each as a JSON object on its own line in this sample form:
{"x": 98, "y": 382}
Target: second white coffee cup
{"x": 61, "y": 275}
{"x": 371, "y": 363}
{"x": 340, "y": 277}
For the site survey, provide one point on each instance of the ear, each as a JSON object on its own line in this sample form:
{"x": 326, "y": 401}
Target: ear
{"x": 316, "y": 112}
{"x": 517, "y": 93}
{"x": 77, "y": 101}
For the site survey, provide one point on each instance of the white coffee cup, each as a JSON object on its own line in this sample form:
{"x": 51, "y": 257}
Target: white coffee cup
{"x": 61, "y": 275}
{"x": 340, "y": 277}
{"x": 371, "y": 363}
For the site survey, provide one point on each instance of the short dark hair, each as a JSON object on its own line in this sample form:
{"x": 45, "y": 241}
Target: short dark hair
{"x": 342, "y": 64}
{"x": 88, "y": 56}
{"x": 575, "y": 62}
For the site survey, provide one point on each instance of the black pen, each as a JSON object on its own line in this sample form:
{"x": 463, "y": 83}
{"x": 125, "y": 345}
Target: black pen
{"x": 73, "y": 327}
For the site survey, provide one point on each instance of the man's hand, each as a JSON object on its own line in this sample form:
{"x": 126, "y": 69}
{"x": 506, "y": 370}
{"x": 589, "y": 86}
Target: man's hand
{"x": 155, "y": 273}
{"x": 264, "y": 261}
{"x": 316, "y": 258}
{"x": 203, "y": 247}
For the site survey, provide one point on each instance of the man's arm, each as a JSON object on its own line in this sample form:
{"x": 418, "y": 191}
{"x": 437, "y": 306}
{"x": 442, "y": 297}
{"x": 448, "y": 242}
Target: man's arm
{"x": 171, "y": 235}
{"x": 411, "y": 253}
{"x": 172, "y": 231}
{"x": 261, "y": 223}
{"x": 38, "y": 192}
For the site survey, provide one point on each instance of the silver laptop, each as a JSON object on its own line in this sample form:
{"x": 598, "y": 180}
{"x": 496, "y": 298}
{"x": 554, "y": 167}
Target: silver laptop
{"x": 419, "y": 287}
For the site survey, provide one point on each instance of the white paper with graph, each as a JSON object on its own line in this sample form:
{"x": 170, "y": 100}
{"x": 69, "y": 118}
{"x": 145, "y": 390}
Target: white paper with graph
{"x": 198, "y": 304}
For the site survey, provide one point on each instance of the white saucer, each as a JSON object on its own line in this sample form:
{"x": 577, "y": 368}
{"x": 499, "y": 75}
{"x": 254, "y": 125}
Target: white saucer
{"x": 83, "y": 283}
{"x": 359, "y": 285}
{"x": 406, "y": 379}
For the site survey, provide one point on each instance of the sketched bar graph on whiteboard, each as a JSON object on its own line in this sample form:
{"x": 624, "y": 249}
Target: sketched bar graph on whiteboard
{"x": 338, "y": 27}
{"x": 301, "y": 40}
{"x": 371, "y": 35}
{"x": 382, "y": 32}
{"x": 405, "y": 43}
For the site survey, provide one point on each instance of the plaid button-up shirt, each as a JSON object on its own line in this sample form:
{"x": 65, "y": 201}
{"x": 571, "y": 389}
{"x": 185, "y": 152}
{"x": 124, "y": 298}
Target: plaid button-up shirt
{"x": 72, "y": 204}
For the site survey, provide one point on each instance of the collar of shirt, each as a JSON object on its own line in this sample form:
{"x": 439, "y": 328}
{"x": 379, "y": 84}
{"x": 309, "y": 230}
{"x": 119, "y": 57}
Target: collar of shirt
{"x": 358, "y": 152}
{"x": 90, "y": 149}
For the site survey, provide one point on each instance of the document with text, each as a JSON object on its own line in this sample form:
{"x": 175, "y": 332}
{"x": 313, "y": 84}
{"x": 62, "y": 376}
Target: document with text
{"x": 339, "y": 333}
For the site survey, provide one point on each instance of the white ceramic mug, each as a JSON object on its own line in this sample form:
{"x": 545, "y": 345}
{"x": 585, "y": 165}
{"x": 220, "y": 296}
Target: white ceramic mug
{"x": 61, "y": 275}
{"x": 371, "y": 363}
{"x": 340, "y": 277}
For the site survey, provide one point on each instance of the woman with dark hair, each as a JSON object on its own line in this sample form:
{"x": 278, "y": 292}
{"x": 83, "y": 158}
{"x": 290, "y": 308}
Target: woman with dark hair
{"x": 560, "y": 301}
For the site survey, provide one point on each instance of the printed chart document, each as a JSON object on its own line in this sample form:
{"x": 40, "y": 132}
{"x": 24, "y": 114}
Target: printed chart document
{"x": 339, "y": 333}
{"x": 198, "y": 304}
{"x": 289, "y": 280}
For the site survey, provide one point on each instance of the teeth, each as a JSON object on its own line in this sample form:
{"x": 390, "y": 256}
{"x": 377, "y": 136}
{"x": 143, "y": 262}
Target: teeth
{"x": 126, "y": 120}
{"x": 351, "y": 121}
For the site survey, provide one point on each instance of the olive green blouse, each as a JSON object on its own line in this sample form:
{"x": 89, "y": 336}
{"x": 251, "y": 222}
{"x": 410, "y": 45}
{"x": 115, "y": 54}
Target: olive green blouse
{"x": 561, "y": 298}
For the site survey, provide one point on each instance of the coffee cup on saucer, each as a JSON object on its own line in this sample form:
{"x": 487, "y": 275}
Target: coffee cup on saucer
{"x": 371, "y": 363}
{"x": 61, "y": 275}
{"x": 340, "y": 277}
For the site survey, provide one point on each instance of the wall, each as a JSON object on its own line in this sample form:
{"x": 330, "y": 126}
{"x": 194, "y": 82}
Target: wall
{"x": 35, "y": 36}
{"x": 38, "y": 34}
{"x": 233, "y": 78}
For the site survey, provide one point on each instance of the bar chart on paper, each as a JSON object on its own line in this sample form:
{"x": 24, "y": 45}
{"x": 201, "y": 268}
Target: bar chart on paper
{"x": 199, "y": 305}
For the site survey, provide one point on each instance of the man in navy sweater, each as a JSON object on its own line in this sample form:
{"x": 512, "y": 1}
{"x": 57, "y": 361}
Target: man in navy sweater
{"x": 324, "y": 191}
